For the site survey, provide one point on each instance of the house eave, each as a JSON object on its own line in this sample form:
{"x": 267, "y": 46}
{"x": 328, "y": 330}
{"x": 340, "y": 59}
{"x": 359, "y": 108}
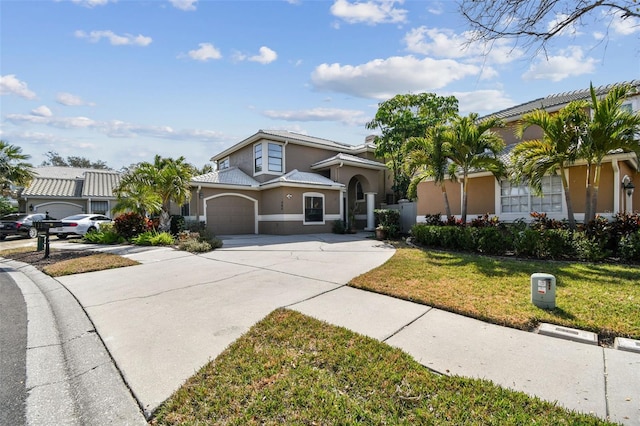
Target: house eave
{"x": 336, "y": 187}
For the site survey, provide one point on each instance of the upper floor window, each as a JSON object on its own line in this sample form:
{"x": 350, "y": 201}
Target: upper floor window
{"x": 272, "y": 162}
{"x": 519, "y": 198}
{"x": 223, "y": 164}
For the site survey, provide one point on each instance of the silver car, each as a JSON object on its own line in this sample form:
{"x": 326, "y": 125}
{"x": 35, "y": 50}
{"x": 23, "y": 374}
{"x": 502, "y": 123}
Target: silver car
{"x": 79, "y": 224}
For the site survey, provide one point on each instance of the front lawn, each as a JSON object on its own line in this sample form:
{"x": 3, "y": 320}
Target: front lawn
{"x": 292, "y": 369}
{"x": 602, "y": 298}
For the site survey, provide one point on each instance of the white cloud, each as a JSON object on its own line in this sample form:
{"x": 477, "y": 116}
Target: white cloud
{"x": 68, "y": 99}
{"x": 569, "y": 30}
{"x": 626, "y": 26}
{"x": 370, "y": 12}
{"x": 118, "y": 128}
{"x": 384, "y": 78}
{"x": 346, "y": 116}
{"x": 10, "y": 85}
{"x": 186, "y": 5}
{"x": 436, "y": 9}
{"x": 598, "y": 35}
{"x": 91, "y": 3}
{"x": 115, "y": 39}
{"x": 570, "y": 62}
{"x": 482, "y": 101}
{"x": 266, "y": 56}
{"x": 206, "y": 52}
{"x": 42, "y": 111}
{"x": 445, "y": 43}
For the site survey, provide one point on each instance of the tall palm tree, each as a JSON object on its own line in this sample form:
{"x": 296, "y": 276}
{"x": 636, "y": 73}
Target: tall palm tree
{"x": 472, "y": 145}
{"x": 557, "y": 149}
{"x": 165, "y": 180}
{"x": 610, "y": 129}
{"x": 13, "y": 169}
{"x": 427, "y": 158}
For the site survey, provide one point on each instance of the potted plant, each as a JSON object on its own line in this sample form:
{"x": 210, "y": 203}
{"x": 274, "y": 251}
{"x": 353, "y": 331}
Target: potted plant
{"x": 381, "y": 232}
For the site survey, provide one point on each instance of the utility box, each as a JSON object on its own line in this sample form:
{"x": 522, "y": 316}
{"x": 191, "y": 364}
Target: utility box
{"x": 543, "y": 290}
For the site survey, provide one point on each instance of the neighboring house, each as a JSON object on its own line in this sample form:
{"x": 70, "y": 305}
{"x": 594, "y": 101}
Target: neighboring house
{"x": 510, "y": 202}
{"x": 278, "y": 182}
{"x": 65, "y": 191}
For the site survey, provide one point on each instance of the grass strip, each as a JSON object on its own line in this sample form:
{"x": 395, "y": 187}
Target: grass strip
{"x": 602, "y": 298}
{"x": 292, "y": 369}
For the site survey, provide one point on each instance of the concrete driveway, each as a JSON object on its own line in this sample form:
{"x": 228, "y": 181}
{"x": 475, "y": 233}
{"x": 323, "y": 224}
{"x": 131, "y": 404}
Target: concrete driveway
{"x": 164, "y": 319}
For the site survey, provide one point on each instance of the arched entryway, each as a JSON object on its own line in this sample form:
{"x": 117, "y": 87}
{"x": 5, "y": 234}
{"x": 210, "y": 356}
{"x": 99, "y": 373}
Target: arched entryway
{"x": 359, "y": 203}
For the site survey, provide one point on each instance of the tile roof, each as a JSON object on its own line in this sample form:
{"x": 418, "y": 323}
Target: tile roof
{"x": 230, "y": 176}
{"x": 304, "y": 138}
{"x": 553, "y": 102}
{"x": 296, "y": 176}
{"x": 349, "y": 159}
{"x": 100, "y": 184}
{"x": 65, "y": 172}
{"x": 54, "y": 187}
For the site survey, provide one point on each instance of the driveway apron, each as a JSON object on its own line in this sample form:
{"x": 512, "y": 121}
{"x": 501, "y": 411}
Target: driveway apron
{"x": 164, "y": 319}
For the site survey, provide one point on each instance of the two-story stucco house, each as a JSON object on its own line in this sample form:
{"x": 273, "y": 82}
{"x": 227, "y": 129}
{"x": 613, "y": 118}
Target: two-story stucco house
{"x": 510, "y": 202}
{"x": 278, "y": 182}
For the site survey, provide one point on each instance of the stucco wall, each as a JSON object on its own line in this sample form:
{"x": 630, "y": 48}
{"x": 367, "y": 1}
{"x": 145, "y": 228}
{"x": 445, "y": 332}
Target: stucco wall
{"x": 481, "y": 194}
{"x": 430, "y": 200}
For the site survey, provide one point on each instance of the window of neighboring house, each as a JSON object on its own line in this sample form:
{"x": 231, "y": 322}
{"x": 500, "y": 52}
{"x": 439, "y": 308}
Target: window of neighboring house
{"x": 273, "y": 162}
{"x": 257, "y": 155}
{"x": 519, "y": 199}
{"x": 313, "y": 208}
{"x": 223, "y": 164}
{"x": 184, "y": 209}
{"x": 99, "y": 207}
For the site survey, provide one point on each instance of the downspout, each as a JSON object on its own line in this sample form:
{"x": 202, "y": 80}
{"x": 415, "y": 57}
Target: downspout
{"x": 198, "y": 193}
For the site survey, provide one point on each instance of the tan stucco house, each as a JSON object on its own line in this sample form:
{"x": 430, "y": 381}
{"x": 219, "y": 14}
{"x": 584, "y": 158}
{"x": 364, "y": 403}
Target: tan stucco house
{"x": 279, "y": 182}
{"x": 65, "y": 191}
{"x": 510, "y": 202}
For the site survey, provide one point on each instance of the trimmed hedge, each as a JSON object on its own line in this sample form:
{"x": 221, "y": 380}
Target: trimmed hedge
{"x": 599, "y": 240}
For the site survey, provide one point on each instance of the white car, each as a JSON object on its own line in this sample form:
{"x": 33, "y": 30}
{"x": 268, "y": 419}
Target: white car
{"x": 79, "y": 224}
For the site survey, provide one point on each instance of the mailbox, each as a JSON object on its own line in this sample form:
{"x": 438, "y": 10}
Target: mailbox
{"x": 45, "y": 225}
{"x": 543, "y": 290}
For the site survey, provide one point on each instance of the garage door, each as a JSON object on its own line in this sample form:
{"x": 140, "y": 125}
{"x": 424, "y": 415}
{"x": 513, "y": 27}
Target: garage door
{"x": 59, "y": 210}
{"x": 229, "y": 215}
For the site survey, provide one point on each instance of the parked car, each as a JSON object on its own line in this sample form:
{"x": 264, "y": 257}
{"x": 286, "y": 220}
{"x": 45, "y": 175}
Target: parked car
{"x": 79, "y": 224}
{"x": 21, "y": 224}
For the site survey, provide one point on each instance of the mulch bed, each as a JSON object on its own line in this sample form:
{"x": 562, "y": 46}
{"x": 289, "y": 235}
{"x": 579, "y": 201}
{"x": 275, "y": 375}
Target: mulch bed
{"x": 37, "y": 259}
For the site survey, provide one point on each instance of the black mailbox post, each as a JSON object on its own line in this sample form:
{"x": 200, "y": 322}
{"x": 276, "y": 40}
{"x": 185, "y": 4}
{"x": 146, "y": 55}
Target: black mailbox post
{"x": 43, "y": 227}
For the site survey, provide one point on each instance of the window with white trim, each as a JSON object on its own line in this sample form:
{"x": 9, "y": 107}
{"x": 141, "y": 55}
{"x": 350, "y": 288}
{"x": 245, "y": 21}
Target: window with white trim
{"x": 520, "y": 199}
{"x": 223, "y": 164}
{"x": 313, "y": 209}
{"x": 272, "y": 162}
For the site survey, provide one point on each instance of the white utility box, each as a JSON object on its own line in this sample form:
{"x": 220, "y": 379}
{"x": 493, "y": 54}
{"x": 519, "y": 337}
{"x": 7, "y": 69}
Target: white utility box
{"x": 543, "y": 290}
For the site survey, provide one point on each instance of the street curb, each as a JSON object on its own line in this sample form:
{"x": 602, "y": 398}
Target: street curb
{"x": 71, "y": 378}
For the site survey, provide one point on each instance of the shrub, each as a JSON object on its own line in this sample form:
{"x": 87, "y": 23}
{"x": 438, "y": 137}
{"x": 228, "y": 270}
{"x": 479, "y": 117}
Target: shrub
{"x": 195, "y": 246}
{"x": 177, "y": 224}
{"x": 589, "y": 248}
{"x": 491, "y": 240}
{"x": 426, "y": 235}
{"x": 129, "y": 225}
{"x": 484, "y": 221}
{"x": 153, "y": 238}
{"x": 526, "y": 242}
{"x": 338, "y": 227}
{"x": 556, "y": 244}
{"x": 389, "y": 220}
{"x": 541, "y": 222}
{"x": 434, "y": 220}
{"x": 104, "y": 236}
{"x": 629, "y": 247}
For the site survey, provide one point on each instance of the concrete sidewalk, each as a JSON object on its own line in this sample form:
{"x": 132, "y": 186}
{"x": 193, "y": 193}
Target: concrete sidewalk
{"x": 164, "y": 319}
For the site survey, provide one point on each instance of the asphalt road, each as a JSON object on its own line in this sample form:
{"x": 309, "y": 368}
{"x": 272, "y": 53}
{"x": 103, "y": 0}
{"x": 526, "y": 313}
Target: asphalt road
{"x": 13, "y": 349}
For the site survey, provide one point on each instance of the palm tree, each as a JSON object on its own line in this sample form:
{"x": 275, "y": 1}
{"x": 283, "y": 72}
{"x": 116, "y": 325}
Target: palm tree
{"x": 165, "y": 180}
{"x": 426, "y": 158}
{"x": 471, "y": 145}
{"x": 13, "y": 169}
{"x": 557, "y": 149}
{"x": 610, "y": 129}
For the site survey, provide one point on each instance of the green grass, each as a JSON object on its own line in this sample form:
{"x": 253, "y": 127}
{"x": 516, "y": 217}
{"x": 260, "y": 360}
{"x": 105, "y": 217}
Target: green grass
{"x": 291, "y": 369}
{"x": 602, "y": 298}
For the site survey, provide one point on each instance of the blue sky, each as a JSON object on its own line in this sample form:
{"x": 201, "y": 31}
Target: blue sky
{"x": 121, "y": 81}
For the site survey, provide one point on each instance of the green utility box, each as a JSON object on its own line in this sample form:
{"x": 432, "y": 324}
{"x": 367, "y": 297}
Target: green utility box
{"x": 543, "y": 290}
{"x": 41, "y": 242}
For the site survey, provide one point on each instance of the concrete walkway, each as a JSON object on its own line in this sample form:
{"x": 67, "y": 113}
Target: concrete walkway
{"x": 164, "y": 319}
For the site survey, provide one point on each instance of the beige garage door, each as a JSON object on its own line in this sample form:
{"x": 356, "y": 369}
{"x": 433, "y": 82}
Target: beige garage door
{"x": 59, "y": 210}
{"x": 229, "y": 215}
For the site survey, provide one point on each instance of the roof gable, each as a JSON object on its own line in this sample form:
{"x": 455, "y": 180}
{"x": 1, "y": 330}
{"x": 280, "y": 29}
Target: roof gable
{"x": 230, "y": 176}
